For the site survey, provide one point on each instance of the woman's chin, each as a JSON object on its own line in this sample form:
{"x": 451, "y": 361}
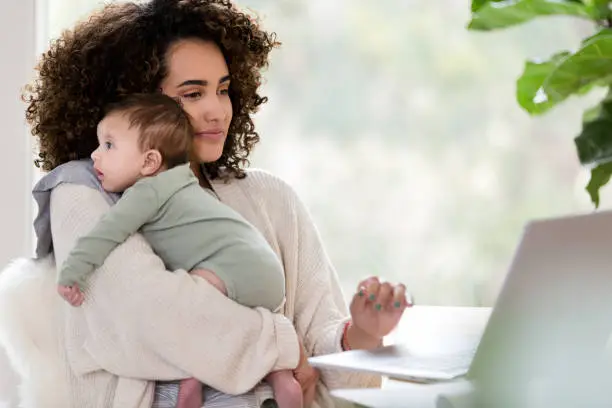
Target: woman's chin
{"x": 209, "y": 157}
{"x": 208, "y": 153}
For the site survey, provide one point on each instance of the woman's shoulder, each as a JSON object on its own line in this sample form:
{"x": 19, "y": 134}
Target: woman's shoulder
{"x": 80, "y": 172}
{"x": 264, "y": 180}
{"x": 267, "y": 185}
{"x": 75, "y": 171}
{"x": 260, "y": 196}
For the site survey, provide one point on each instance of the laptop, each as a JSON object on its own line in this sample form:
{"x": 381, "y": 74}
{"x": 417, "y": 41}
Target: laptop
{"x": 553, "y": 315}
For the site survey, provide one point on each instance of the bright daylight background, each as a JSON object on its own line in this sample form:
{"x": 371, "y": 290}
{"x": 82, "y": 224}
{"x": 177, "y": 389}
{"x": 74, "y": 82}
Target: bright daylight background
{"x": 400, "y": 130}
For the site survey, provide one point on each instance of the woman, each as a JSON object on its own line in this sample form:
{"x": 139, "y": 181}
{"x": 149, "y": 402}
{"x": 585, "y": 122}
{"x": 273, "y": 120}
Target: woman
{"x": 141, "y": 323}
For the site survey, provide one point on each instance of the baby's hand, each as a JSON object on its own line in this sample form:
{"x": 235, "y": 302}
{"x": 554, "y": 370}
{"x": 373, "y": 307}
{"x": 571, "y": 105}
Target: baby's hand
{"x": 72, "y": 294}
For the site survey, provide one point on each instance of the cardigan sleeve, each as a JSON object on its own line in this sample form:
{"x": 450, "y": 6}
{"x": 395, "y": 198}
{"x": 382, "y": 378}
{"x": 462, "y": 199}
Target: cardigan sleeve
{"x": 320, "y": 309}
{"x": 141, "y": 321}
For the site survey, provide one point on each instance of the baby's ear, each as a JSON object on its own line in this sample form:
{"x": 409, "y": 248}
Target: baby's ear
{"x": 152, "y": 162}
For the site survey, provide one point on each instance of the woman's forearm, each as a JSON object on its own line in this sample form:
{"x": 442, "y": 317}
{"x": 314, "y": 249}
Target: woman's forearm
{"x": 141, "y": 321}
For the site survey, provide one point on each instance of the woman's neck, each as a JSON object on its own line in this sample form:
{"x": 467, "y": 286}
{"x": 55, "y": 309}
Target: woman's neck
{"x": 198, "y": 170}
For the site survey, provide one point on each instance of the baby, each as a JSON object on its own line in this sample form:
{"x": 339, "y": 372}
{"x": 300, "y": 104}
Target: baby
{"x": 144, "y": 143}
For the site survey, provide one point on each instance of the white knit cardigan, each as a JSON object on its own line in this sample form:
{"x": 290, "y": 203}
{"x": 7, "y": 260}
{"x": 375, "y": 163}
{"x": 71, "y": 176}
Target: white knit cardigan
{"x": 141, "y": 323}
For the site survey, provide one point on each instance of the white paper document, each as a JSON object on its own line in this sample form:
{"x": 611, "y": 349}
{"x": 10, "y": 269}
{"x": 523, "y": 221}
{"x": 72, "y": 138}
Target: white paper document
{"x": 401, "y": 363}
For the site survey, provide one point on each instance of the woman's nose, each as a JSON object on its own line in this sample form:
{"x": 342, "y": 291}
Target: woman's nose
{"x": 214, "y": 110}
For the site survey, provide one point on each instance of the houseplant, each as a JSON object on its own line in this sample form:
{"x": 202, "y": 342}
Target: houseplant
{"x": 548, "y": 82}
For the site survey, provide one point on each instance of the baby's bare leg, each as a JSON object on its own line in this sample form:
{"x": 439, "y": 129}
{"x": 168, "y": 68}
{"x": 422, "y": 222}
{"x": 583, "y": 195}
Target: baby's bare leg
{"x": 287, "y": 391}
{"x": 190, "y": 391}
{"x": 212, "y": 278}
{"x": 190, "y": 394}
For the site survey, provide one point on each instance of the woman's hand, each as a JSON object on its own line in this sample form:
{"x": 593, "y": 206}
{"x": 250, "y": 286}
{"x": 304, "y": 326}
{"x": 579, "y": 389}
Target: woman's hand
{"x": 376, "y": 309}
{"x": 307, "y": 376}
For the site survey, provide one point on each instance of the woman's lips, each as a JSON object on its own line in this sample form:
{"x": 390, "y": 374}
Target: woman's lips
{"x": 212, "y": 135}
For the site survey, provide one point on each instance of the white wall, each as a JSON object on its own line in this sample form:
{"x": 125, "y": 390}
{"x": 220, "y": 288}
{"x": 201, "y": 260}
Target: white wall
{"x": 17, "y": 56}
{"x": 17, "y": 59}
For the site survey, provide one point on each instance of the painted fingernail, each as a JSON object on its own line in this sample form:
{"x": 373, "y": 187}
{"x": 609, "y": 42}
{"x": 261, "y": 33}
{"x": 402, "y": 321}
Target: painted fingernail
{"x": 378, "y": 306}
{"x": 397, "y": 304}
{"x": 361, "y": 293}
{"x": 372, "y": 296}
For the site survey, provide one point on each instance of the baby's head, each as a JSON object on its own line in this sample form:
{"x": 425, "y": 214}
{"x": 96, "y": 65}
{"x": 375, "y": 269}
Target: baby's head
{"x": 140, "y": 136}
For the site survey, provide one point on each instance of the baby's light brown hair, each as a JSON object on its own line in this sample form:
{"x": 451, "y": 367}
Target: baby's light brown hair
{"x": 162, "y": 123}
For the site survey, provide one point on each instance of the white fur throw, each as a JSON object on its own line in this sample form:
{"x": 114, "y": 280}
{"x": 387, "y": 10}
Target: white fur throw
{"x": 29, "y": 320}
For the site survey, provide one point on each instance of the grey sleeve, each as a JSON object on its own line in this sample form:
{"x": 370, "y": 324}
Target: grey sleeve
{"x": 137, "y": 206}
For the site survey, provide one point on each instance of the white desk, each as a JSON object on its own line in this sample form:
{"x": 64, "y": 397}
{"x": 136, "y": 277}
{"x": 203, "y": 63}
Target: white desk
{"x": 404, "y": 395}
{"x": 424, "y": 328}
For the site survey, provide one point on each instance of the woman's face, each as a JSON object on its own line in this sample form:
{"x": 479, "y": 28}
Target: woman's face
{"x": 199, "y": 77}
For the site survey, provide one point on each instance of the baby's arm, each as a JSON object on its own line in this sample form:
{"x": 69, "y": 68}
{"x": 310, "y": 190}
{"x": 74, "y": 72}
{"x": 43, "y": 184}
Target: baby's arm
{"x": 137, "y": 206}
{"x": 144, "y": 322}
{"x": 212, "y": 278}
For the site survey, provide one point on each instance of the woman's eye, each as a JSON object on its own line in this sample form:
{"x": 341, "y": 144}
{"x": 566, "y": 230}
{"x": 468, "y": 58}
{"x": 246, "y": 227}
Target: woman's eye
{"x": 224, "y": 92}
{"x": 192, "y": 95}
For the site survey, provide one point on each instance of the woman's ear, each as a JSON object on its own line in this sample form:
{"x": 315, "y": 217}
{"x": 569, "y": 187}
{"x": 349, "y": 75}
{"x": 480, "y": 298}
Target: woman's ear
{"x": 152, "y": 163}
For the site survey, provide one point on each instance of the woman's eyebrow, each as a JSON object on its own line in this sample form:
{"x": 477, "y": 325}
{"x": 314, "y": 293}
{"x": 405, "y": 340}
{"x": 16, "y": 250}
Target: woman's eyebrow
{"x": 188, "y": 82}
{"x": 201, "y": 82}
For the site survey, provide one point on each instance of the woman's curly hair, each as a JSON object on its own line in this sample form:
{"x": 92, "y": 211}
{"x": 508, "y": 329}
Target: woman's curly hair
{"x": 120, "y": 50}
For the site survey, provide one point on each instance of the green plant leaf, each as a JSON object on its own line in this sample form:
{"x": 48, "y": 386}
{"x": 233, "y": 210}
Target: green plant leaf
{"x": 532, "y": 81}
{"x": 491, "y": 15}
{"x": 545, "y": 84}
{"x": 599, "y": 9}
{"x": 600, "y": 176}
{"x": 594, "y": 144}
{"x": 477, "y": 4}
{"x": 578, "y": 73}
{"x": 604, "y": 32}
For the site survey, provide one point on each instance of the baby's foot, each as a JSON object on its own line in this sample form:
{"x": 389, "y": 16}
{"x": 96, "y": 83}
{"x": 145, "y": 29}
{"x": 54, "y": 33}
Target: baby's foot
{"x": 190, "y": 394}
{"x": 288, "y": 394}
